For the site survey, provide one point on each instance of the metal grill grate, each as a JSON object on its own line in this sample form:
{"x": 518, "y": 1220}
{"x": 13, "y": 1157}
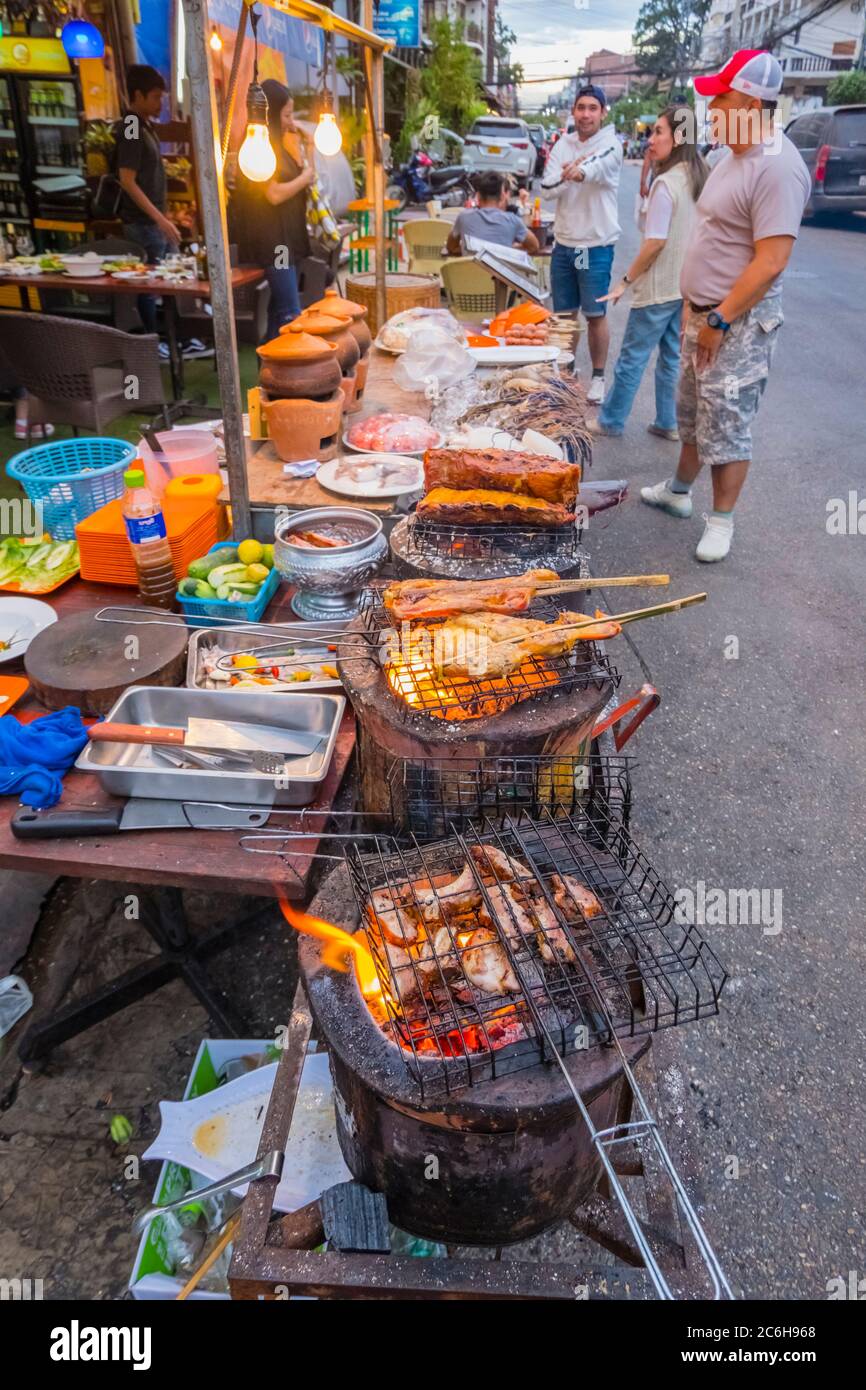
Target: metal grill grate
{"x": 421, "y": 690}
{"x": 570, "y": 978}
{"x": 554, "y": 547}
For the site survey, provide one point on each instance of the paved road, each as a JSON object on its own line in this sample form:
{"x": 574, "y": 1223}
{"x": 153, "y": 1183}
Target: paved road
{"x": 752, "y": 775}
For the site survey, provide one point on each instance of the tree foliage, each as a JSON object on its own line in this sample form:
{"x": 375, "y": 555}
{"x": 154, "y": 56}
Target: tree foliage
{"x": 667, "y": 36}
{"x": 450, "y": 82}
{"x": 510, "y": 74}
{"x": 846, "y": 89}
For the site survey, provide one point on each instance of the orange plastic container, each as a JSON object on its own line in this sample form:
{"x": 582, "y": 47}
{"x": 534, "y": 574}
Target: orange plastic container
{"x": 192, "y": 525}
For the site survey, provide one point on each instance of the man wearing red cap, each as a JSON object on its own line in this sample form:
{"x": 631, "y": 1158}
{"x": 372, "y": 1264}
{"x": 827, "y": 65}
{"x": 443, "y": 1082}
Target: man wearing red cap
{"x": 746, "y": 223}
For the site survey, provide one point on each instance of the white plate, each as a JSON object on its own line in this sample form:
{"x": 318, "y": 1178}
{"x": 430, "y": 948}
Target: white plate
{"x": 128, "y": 275}
{"x": 513, "y": 356}
{"x": 404, "y": 453}
{"x": 83, "y": 273}
{"x": 365, "y": 477}
{"x": 216, "y": 1133}
{"x": 27, "y": 617}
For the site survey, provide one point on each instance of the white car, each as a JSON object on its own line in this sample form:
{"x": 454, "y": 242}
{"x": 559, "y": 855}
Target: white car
{"x": 502, "y": 143}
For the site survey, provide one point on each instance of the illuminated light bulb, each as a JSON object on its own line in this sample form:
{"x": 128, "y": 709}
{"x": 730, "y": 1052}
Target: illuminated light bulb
{"x": 215, "y": 41}
{"x": 328, "y": 138}
{"x": 256, "y": 156}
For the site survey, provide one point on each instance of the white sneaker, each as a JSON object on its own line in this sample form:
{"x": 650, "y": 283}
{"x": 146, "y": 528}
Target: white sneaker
{"x": 715, "y": 543}
{"x": 595, "y": 393}
{"x": 660, "y": 495}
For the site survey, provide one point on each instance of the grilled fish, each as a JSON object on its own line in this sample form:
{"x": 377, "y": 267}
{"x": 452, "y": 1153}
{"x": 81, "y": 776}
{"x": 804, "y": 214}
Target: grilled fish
{"x": 416, "y": 599}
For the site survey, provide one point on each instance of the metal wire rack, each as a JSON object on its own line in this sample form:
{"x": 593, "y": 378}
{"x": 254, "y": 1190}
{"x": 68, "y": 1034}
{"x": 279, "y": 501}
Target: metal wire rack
{"x": 557, "y": 547}
{"x": 561, "y": 940}
{"x": 410, "y": 668}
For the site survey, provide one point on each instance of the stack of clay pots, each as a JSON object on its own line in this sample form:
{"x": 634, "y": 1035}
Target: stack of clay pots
{"x": 336, "y": 329}
{"x": 334, "y": 304}
{"x": 301, "y": 382}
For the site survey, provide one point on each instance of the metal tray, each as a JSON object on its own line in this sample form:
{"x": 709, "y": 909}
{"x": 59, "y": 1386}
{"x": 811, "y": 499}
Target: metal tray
{"x": 240, "y": 640}
{"x": 136, "y": 770}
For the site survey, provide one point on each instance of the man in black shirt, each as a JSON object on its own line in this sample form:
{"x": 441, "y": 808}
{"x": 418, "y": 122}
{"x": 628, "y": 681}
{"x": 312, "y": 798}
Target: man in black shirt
{"x": 141, "y": 175}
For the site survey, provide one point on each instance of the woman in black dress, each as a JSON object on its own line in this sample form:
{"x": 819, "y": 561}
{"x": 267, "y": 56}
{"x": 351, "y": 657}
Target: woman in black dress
{"x": 271, "y": 218}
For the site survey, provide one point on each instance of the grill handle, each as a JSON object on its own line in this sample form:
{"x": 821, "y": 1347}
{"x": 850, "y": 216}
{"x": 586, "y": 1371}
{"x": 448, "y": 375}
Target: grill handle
{"x": 644, "y": 702}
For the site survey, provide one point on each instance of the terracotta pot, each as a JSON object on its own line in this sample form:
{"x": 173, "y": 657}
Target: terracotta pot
{"x": 300, "y": 367}
{"x": 334, "y": 329}
{"x": 361, "y": 381}
{"x": 305, "y": 429}
{"x": 334, "y": 303}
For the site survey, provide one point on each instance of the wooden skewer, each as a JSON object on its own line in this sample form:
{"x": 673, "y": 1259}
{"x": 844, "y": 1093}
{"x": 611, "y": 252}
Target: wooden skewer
{"x": 574, "y": 586}
{"x": 635, "y": 615}
{"x": 228, "y": 1235}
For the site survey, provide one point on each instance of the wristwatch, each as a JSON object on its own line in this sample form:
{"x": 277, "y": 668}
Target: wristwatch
{"x": 715, "y": 320}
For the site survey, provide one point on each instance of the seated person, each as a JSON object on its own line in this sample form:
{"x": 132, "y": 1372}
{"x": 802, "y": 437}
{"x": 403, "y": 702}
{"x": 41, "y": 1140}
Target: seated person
{"x": 490, "y": 221}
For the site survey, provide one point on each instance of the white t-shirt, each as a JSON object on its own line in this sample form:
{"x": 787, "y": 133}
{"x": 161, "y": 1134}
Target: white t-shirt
{"x": 658, "y": 214}
{"x": 747, "y": 197}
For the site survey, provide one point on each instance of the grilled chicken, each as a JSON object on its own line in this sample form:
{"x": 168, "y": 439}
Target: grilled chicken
{"x": 440, "y": 598}
{"x": 575, "y": 901}
{"x": 506, "y": 470}
{"x": 402, "y": 971}
{"x": 438, "y": 954}
{"x": 450, "y": 506}
{"x": 486, "y": 965}
{"x": 488, "y": 857}
{"x": 392, "y": 911}
{"x": 552, "y": 939}
{"x": 510, "y": 913}
{"x": 489, "y": 646}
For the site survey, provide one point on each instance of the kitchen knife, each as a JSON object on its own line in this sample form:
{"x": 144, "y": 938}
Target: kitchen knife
{"x": 139, "y": 813}
{"x": 214, "y": 735}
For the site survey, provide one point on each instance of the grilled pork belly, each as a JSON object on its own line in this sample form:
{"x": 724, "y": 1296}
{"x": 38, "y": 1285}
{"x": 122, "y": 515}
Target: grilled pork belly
{"x": 473, "y": 507}
{"x": 503, "y": 470}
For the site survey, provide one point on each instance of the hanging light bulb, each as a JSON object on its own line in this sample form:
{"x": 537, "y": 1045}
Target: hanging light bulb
{"x": 215, "y": 40}
{"x": 256, "y": 155}
{"x": 328, "y": 138}
{"x": 81, "y": 39}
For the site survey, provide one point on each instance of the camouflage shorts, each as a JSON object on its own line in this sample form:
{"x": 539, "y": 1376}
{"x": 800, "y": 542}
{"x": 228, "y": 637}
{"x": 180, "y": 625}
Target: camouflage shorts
{"x": 716, "y": 407}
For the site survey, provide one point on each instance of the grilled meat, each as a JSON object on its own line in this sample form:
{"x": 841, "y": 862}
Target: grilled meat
{"x": 510, "y": 913}
{"x": 506, "y": 470}
{"x": 552, "y": 939}
{"x": 453, "y": 900}
{"x": 439, "y": 598}
{"x": 438, "y": 953}
{"x": 489, "y": 858}
{"x": 451, "y": 506}
{"x": 575, "y": 901}
{"x": 393, "y": 912}
{"x": 486, "y": 965}
{"x": 485, "y": 646}
{"x": 402, "y": 971}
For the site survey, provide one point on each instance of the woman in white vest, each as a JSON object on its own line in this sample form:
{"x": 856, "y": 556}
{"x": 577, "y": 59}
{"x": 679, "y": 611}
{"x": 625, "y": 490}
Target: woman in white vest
{"x": 654, "y": 278}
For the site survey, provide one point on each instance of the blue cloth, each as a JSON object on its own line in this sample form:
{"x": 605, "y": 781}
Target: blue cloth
{"x": 654, "y": 325}
{"x": 578, "y": 276}
{"x": 285, "y": 302}
{"x": 33, "y": 756}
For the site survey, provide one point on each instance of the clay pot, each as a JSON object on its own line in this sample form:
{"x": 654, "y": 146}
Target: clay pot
{"x": 360, "y": 382}
{"x": 334, "y": 328}
{"x": 301, "y": 366}
{"x": 334, "y": 303}
{"x": 305, "y": 429}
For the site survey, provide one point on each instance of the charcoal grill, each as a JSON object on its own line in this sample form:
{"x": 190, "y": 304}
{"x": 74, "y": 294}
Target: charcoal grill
{"x": 552, "y": 546}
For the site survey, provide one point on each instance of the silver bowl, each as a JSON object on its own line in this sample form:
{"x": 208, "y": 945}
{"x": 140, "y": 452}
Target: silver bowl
{"x": 329, "y": 581}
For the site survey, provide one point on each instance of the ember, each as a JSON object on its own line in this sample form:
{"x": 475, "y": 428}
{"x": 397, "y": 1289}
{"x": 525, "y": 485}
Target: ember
{"x": 417, "y": 684}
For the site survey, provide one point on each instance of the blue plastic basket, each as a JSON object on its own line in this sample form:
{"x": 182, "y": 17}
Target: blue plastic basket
{"x": 195, "y": 609}
{"x": 72, "y": 478}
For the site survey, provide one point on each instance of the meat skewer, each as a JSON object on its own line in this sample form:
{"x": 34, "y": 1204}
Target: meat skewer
{"x": 484, "y": 646}
{"x": 619, "y": 619}
{"x": 441, "y": 598}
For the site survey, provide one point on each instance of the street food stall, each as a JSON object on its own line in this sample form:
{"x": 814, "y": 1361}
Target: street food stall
{"x": 404, "y": 701}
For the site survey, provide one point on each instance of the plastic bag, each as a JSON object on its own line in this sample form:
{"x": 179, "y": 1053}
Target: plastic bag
{"x": 398, "y": 333}
{"x": 432, "y": 362}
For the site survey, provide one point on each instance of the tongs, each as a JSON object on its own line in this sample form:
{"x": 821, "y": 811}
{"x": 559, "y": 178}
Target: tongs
{"x": 270, "y": 1166}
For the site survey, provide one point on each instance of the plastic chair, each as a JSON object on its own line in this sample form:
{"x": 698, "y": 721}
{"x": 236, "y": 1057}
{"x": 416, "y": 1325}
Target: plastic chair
{"x": 469, "y": 289}
{"x": 78, "y": 373}
{"x": 425, "y": 240}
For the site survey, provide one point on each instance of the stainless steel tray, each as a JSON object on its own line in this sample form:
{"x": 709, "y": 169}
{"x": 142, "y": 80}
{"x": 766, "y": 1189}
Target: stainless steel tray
{"x": 240, "y": 640}
{"x": 136, "y": 770}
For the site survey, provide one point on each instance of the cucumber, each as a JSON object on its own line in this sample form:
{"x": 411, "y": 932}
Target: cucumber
{"x": 223, "y": 574}
{"x": 188, "y": 587}
{"x": 201, "y": 568}
{"x": 203, "y": 589}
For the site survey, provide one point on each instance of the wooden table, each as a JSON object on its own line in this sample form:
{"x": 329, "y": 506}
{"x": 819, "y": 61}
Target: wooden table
{"x": 168, "y": 291}
{"x": 166, "y": 861}
{"x": 268, "y": 484}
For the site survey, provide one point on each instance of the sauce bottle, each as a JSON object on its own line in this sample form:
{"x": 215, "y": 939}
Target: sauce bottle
{"x": 145, "y": 529}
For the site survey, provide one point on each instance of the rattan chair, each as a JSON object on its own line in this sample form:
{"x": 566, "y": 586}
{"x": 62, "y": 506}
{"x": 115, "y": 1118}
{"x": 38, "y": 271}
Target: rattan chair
{"x": 469, "y": 289}
{"x": 425, "y": 242}
{"x": 81, "y": 374}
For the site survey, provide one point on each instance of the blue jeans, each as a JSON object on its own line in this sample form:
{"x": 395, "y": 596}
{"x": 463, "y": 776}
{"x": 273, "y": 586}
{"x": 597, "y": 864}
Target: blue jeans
{"x": 155, "y": 246}
{"x": 655, "y": 325}
{"x": 285, "y": 302}
{"x": 578, "y": 276}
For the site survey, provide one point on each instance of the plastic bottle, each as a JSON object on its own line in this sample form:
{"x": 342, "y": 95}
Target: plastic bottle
{"x": 145, "y": 528}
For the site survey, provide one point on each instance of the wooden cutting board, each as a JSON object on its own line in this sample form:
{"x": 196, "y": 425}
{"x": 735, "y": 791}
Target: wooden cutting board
{"x": 79, "y": 661}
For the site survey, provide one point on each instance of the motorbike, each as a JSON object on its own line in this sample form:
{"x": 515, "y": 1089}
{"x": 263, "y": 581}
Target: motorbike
{"x": 420, "y": 180}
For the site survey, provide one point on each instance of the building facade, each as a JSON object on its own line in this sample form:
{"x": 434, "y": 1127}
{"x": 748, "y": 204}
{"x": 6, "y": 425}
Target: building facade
{"x": 813, "y": 42}
{"x": 617, "y": 73}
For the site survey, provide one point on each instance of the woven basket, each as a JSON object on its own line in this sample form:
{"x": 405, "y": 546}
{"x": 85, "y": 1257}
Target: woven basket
{"x": 402, "y": 292}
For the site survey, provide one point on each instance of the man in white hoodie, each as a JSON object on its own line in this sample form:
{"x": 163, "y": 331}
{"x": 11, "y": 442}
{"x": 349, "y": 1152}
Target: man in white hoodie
{"x": 582, "y": 176}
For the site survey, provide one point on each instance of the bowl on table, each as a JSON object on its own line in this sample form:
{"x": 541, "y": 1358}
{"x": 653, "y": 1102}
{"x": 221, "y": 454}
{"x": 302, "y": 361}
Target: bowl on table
{"x": 329, "y": 554}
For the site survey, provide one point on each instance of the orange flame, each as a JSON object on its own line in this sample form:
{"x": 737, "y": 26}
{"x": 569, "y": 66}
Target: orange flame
{"x": 339, "y": 946}
{"x": 417, "y": 684}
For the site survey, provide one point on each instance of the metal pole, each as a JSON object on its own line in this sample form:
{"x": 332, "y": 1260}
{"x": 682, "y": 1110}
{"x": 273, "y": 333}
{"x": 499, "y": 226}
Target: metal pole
{"x": 205, "y": 132}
